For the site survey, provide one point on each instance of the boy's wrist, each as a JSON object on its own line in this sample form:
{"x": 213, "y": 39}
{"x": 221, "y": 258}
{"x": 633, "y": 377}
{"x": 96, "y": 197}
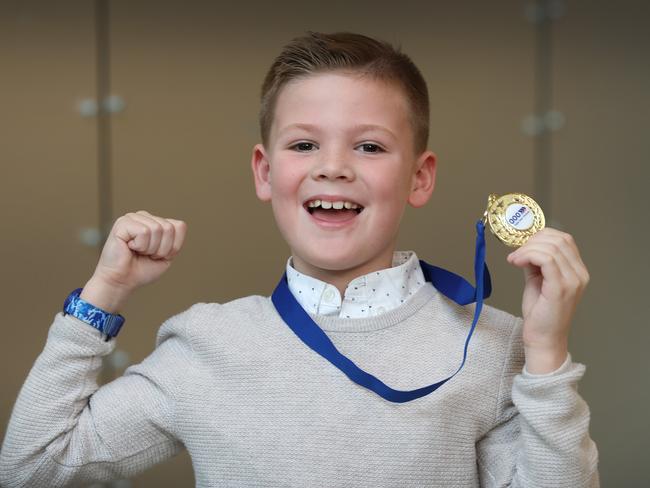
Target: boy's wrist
{"x": 102, "y": 295}
{"x": 544, "y": 360}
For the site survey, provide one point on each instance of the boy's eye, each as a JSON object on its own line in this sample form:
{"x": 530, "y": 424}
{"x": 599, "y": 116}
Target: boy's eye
{"x": 303, "y": 147}
{"x": 370, "y": 148}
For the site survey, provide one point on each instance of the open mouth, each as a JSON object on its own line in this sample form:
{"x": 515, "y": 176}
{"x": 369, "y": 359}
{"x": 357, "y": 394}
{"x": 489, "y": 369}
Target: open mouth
{"x": 333, "y": 211}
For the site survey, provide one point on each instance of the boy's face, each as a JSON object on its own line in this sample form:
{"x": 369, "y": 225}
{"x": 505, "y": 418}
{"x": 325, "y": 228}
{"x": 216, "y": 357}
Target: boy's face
{"x": 341, "y": 137}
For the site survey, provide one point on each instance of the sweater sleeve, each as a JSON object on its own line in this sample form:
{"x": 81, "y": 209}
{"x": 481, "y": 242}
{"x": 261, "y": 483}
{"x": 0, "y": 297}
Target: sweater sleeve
{"x": 541, "y": 433}
{"x": 65, "y": 430}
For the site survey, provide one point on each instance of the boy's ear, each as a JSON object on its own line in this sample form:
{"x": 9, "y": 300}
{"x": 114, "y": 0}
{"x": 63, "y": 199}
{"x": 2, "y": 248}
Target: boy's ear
{"x": 424, "y": 180}
{"x": 261, "y": 173}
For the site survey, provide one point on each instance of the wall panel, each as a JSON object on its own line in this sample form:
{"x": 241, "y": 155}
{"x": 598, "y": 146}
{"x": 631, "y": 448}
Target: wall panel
{"x": 599, "y": 177}
{"x": 48, "y": 188}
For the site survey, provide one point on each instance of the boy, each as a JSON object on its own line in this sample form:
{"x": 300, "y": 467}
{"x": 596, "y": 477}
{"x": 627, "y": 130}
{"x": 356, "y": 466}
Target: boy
{"x": 344, "y": 125}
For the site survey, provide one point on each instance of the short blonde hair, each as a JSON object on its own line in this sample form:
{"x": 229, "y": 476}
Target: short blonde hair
{"x": 344, "y": 51}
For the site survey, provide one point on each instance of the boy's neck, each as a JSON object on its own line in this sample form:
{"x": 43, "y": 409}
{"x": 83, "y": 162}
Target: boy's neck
{"x": 341, "y": 278}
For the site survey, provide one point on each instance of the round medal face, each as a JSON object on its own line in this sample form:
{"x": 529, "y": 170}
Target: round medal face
{"x": 514, "y": 218}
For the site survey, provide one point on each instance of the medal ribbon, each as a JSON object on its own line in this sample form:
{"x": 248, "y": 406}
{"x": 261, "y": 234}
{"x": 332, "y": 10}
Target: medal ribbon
{"x": 454, "y": 287}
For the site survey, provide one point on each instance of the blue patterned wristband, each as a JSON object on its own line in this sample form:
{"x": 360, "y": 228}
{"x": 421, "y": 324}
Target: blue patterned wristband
{"x": 107, "y": 323}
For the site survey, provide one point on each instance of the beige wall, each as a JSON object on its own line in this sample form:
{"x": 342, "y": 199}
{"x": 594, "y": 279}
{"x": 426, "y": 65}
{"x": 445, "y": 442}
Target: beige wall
{"x": 190, "y": 73}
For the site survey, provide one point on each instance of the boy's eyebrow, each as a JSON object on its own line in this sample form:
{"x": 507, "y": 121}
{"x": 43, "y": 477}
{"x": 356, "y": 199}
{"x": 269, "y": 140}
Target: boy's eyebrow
{"x": 356, "y": 128}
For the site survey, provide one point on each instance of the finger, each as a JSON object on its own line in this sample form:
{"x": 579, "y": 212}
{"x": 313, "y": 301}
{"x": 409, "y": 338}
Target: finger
{"x": 565, "y": 244}
{"x": 559, "y": 275}
{"x": 532, "y": 256}
{"x": 167, "y": 238}
{"x": 133, "y": 233}
{"x": 155, "y": 231}
{"x": 551, "y": 249}
{"x": 570, "y": 248}
{"x": 180, "y": 231}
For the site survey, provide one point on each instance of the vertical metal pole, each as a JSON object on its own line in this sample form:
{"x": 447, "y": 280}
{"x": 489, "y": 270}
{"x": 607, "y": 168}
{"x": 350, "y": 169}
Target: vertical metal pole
{"x": 104, "y": 142}
{"x": 543, "y": 105}
{"x": 102, "y": 53}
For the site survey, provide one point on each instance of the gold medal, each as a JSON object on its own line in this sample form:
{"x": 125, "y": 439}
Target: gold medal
{"x": 513, "y": 218}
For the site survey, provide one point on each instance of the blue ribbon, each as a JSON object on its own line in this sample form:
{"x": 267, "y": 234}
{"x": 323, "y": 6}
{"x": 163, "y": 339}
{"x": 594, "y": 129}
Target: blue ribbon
{"x": 451, "y": 285}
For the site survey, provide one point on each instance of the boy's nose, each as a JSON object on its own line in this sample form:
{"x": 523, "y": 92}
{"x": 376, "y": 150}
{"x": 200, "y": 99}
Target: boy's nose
{"x": 333, "y": 168}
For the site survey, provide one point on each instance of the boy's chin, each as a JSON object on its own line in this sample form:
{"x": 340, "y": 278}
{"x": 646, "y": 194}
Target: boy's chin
{"x": 339, "y": 263}
{"x": 327, "y": 265}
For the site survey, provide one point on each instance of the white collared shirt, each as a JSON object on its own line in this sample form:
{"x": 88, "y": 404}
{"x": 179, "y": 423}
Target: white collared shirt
{"x": 365, "y": 296}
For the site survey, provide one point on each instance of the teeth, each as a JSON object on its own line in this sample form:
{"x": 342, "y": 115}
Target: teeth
{"x": 338, "y": 205}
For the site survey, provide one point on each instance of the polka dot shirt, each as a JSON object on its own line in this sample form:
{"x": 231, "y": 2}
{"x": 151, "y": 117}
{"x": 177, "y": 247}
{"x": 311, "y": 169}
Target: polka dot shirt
{"x": 365, "y": 296}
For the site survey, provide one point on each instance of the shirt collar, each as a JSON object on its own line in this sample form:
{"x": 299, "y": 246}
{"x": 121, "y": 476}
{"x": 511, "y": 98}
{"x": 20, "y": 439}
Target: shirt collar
{"x": 365, "y": 296}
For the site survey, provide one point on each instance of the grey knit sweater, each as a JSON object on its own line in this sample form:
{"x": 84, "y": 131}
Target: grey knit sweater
{"x": 255, "y": 407}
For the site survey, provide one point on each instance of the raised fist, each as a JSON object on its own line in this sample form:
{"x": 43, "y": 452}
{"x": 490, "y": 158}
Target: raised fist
{"x": 139, "y": 249}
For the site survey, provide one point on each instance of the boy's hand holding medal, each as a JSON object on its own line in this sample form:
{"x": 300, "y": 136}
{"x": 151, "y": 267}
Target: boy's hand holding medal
{"x": 555, "y": 277}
